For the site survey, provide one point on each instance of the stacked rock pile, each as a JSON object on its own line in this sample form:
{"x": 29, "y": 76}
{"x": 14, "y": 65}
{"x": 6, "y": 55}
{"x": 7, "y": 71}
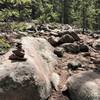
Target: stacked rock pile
{"x": 18, "y": 54}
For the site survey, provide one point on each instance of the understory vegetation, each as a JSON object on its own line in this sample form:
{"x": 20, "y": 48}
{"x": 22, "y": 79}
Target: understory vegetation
{"x": 81, "y": 13}
{"x": 4, "y": 46}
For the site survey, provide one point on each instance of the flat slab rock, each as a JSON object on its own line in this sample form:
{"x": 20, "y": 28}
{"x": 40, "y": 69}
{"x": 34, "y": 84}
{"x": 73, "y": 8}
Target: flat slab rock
{"x": 29, "y": 80}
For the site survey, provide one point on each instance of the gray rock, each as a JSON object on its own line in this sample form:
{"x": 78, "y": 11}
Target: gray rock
{"x": 29, "y": 80}
{"x": 83, "y": 48}
{"x": 73, "y": 65}
{"x": 53, "y": 40}
{"x": 59, "y": 51}
{"x": 61, "y": 33}
{"x": 22, "y": 33}
{"x": 84, "y": 86}
{"x": 70, "y": 32}
{"x": 71, "y": 47}
{"x": 86, "y": 54}
{"x": 55, "y": 80}
{"x": 66, "y": 39}
{"x": 66, "y": 27}
{"x": 95, "y": 60}
{"x": 74, "y": 35}
{"x": 96, "y": 44}
{"x": 54, "y": 33}
{"x": 96, "y": 36}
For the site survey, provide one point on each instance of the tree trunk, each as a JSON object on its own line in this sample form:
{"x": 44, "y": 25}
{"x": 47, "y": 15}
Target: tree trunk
{"x": 83, "y": 18}
{"x": 66, "y": 12}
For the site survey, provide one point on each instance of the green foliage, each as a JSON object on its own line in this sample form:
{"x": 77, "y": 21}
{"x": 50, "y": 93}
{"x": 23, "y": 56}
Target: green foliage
{"x": 6, "y": 14}
{"x": 4, "y": 46}
{"x": 5, "y": 26}
{"x": 47, "y": 14}
{"x": 23, "y": 9}
{"x": 15, "y": 9}
{"x": 76, "y": 12}
{"x": 83, "y": 11}
{"x": 15, "y": 26}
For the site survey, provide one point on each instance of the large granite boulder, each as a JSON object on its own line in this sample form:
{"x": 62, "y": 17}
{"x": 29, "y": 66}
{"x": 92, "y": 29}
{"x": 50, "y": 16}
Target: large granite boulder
{"x": 31, "y": 79}
{"x": 84, "y": 86}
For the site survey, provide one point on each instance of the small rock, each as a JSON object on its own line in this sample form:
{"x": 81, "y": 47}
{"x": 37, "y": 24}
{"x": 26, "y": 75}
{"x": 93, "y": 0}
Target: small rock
{"x": 66, "y": 39}
{"x": 53, "y": 40}
{"x": 74, "y": 35}
{"x": 96, "y": 36}
{"x": 74, "y": 65}
{"x": 54, "y": 33}
{"x": 96, "y": 44}
{"x": 18, "y": 54}
{"x": 90, "y": 42}
{"x": 30, "y": 32}
{"x": 86, "y": 54}
{"x": 83, "y": 48}
{"x": 66, "y": 27}
{"x": 55, "y": 80}
{"x": 71, "y": 47}
{"x": 22, "y": 33}
{"x": 95, "y": 60}
{"x": 2, "y": 52}
{"x": 69, "y": 32}
{"x": 59, "y": 51}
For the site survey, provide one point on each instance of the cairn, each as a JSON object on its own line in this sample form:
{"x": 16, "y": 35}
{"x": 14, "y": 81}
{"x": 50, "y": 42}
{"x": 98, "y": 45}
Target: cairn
{"x": 18, "y": 54}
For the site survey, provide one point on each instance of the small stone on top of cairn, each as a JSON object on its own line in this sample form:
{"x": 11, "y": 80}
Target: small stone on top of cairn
{"x": 18, "y": 54}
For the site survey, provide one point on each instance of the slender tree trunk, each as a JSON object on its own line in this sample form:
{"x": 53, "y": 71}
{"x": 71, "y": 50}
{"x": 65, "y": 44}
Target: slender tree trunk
{"x": 83, "y": 21}
{"x": 66, "y": 12}
{"x": 83, "y": 18}
{"x": 44, "y": 7}
{"x": 97, "y": 19}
